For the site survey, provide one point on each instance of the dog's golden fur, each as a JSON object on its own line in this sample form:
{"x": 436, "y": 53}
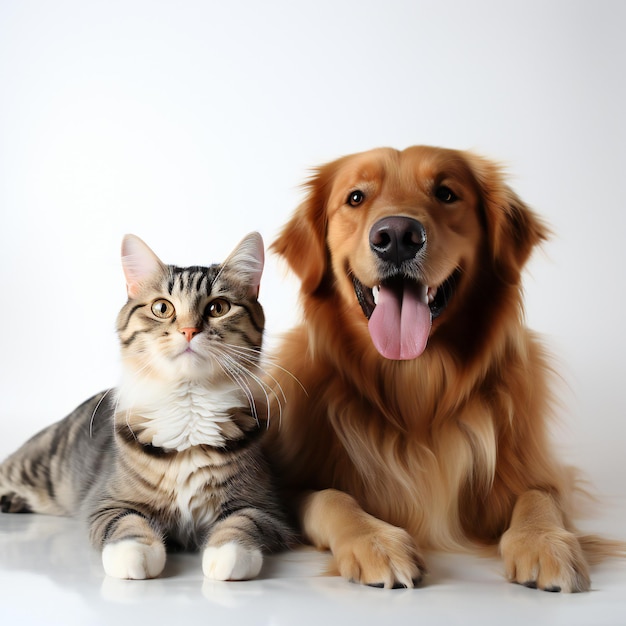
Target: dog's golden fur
{"x": 441, "y": 451}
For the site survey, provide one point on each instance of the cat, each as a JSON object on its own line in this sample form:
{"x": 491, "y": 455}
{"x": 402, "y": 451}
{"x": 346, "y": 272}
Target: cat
{"x": 172, "y": 457}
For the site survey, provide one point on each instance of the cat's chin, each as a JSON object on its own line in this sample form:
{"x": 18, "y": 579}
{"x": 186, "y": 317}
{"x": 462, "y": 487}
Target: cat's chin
{"x": 189, "y": 355}
{"x": 181, "y": 368}
{"x": 189, "y": 368}
{"x": 191, "y": 362}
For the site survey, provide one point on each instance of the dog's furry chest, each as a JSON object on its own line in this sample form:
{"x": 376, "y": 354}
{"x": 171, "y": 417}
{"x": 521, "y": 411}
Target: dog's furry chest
{"x": 415, "y": 479}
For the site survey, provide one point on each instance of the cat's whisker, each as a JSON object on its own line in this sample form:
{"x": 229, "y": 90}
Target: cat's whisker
{"x": 261, "y": 365}
{"x": 219, "y": 274}
{"x": 272, "y": 361}
{"x": 248, "y": 373}
{"x": 127, "y": 420}
{"x": 274, "y": 388}
{"x": 93, "y": 414}
{"x": 116, "y": 406}
{"x": 240, "y": 382}
{"x": 263, "y": 384}
{"x": 127, "y": 414}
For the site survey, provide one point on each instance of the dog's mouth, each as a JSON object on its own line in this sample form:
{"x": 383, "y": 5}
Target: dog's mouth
{"x": 400, "y": 313}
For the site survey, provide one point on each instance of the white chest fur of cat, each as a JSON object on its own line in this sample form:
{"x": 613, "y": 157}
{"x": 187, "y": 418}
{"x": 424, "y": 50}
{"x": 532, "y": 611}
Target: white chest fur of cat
{"x": 174, "y": 454}
{"x": 180, "y": 414}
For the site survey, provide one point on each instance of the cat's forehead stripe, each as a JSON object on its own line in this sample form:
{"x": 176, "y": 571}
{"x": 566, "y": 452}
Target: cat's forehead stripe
{"x": 191, "y": 278}
{"x": 200, "y": 280}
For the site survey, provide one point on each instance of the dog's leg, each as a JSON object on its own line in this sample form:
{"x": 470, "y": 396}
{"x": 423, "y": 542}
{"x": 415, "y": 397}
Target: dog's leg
{"x": 537, "y": 549}
{"x": 366, "y": 550}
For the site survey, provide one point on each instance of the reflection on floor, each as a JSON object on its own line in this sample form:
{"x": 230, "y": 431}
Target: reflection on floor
{"x": 50, "y": 575}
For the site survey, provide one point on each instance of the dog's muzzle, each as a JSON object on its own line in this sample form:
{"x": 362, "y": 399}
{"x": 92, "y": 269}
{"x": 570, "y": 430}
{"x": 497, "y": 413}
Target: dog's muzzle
{"x": 401, "y": 308}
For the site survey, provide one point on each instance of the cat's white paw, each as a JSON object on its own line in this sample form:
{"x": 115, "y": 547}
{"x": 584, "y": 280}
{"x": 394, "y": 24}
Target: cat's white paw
{"x": 231, "y": 561}
{"x": 130, "y": 559}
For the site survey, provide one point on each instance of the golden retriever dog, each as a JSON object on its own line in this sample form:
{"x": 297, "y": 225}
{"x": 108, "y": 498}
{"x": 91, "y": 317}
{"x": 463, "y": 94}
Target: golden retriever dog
{"x": 416, "y": 401}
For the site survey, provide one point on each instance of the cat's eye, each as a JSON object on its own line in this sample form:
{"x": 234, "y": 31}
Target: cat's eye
{"x": 218, "y": 307}
{"x": 162, "y": 308}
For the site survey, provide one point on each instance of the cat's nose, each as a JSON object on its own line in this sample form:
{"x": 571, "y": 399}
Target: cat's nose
{"x": 189, "y": 333}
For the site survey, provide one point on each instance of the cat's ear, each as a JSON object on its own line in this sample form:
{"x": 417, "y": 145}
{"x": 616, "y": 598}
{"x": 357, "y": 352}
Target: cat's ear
{"x": 139, "y": 263}
{"x": 247, "y": 260}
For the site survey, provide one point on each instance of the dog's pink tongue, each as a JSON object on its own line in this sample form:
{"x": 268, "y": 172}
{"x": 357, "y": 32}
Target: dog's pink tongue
{"x": 400, "y": 323}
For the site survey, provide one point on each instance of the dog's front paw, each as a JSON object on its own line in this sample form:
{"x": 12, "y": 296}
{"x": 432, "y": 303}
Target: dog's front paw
{"x": 129, "y": 558}
{"x": 231, "y": 561}
{"x": 551, "y": 560}
{"x": 385, "y": 557}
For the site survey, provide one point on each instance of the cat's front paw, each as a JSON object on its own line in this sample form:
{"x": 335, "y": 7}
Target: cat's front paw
{"x": 231, "y": 561}
{"x": 13, "y": 503}
{"x": 131, "y": 559}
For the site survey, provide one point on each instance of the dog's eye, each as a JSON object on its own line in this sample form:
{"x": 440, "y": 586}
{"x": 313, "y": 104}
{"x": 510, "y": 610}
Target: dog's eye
{"x": 356, "y": 197}
{"x": 445, "y": 194}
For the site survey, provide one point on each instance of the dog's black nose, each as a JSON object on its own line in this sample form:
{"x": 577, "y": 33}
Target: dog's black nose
{"x": 396, "y": 239}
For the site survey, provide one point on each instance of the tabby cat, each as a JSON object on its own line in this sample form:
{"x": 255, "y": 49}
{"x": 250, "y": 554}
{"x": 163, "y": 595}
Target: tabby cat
{"x": 173, "y": 455}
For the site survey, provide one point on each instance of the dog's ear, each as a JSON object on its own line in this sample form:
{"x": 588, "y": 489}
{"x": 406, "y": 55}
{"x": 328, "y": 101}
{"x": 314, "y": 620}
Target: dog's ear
{"x": 302, "y": 241}
{"x": 513, "y": 229}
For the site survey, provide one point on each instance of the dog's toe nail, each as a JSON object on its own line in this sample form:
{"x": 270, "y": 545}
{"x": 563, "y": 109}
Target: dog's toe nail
{"x": 531, "y": 584}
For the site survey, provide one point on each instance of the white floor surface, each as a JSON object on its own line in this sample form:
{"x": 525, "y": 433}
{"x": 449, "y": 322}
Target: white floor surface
{"x": 50, "y": 575}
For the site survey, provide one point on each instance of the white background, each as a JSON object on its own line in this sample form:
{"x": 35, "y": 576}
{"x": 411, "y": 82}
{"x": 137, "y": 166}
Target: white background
{"x": 191, "y": 123}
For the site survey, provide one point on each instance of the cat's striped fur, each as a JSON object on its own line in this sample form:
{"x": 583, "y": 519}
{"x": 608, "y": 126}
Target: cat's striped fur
{"x": 173, "y": 455}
